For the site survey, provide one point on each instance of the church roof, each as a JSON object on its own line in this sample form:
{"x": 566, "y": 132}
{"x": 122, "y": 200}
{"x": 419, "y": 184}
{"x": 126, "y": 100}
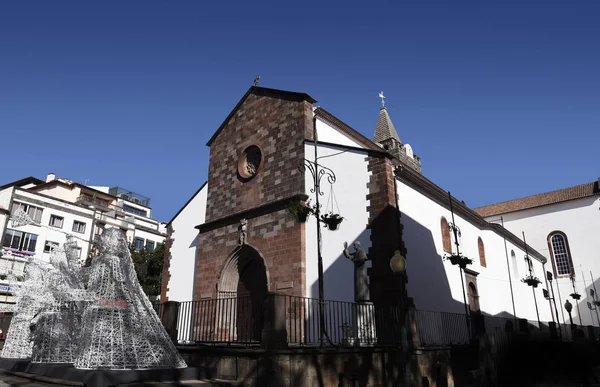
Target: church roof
{"x": 263, "y": 91}
{"x": 440, "y": 196}
{"x": 347, "y": 129}
{"x": 385, "y": 129}
{"x": 543, "y": 199}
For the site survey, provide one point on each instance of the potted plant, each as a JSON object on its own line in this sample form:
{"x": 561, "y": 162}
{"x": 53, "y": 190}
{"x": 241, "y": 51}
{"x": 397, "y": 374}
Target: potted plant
{"x": 348, "y": 338}
{"x": 300, "y": 209}
{"x": 331, "y": 220}
{"x": 459, "y": 260}
{"x": 575, "y": 296}
{"x": 531, "y": 281}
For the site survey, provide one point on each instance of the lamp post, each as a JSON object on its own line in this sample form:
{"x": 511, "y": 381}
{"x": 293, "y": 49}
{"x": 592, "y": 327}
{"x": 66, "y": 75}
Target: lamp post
{"x": 398, "y": 266}
{"x": 576, "y": 296}
{"x": 593, "y": 293}
{"x": 569, "y": 308}
{"x": 318, "y": 172}
{"x": 460, "y": 260}
{"x": 549, "y": 278}
{"x": 531, "y": 280}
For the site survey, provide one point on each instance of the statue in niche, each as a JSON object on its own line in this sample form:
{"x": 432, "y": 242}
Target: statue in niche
{"x": 361, "y": 280}
{"x": 243, "y": 231}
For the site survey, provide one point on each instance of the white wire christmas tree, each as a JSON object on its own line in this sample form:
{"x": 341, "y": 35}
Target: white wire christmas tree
{"x": 109, "y": 325}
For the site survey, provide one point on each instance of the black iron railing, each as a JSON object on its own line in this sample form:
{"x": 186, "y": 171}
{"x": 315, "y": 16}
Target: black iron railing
{"x": 240, "y": 320}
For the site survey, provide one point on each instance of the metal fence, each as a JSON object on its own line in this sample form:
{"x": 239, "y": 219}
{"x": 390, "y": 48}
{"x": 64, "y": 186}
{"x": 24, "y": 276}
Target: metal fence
{"x": 440, "y": 328}
{"x": 240, "y": 320}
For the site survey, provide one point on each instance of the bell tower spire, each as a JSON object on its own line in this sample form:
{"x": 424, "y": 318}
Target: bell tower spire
{"x": 387, "y": 137}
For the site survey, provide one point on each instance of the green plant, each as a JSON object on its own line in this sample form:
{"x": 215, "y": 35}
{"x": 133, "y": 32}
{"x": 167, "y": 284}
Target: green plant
{"x": 19, "y": 278}
{"x": 3, "y": 276}
{"x": 300, "y": 209}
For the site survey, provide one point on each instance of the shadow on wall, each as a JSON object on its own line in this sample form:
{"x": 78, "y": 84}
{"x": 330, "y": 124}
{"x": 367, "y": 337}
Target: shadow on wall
{"x": 338, "y": 279}
{"x": 301, "y": 368}
{"x": 195, "y": 241}
{"x": 428, "y": 283}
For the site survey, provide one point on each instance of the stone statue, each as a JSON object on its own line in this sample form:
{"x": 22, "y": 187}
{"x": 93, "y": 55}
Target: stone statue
{"x": 243, "y": 227}
{"x": 361, "y": 280}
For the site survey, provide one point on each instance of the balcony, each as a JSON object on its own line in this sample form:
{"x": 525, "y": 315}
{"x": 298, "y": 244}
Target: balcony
{"x": 130, "y": 196}
{"x": 94, "y": 203}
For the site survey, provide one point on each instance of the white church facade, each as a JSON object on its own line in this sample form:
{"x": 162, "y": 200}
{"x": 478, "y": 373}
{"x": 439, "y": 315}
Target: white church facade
{"x": 386, "y": 202}
{"x": 564, "y": 226}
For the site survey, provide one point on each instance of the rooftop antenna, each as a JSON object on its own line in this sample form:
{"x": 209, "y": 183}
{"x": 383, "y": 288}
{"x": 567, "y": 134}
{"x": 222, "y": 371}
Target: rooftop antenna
{"x": 85, "y": 182}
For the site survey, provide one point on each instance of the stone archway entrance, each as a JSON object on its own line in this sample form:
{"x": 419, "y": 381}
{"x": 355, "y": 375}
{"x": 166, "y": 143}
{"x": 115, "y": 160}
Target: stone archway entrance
{"x": 242, "y": 286}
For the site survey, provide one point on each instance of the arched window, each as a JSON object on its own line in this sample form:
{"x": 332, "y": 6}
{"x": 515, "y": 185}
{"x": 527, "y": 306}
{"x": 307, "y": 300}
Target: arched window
{"x": 473, "y": 297}
{"x": 513, "y": 262}
{"x": 446, "y": 241}
{"x": 561, "y": 254}
{"x": 481, "y": 252}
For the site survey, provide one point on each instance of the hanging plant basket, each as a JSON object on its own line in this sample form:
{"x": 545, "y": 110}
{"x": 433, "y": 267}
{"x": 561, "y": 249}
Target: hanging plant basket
{"x": 300, "y": 209}
{"x": 459, "y": 260}
{"x": 576, "y": 296}
{"x": 531, "y": 281}
{"x": 332, "y": 221}
{"x": 597, "y": 303}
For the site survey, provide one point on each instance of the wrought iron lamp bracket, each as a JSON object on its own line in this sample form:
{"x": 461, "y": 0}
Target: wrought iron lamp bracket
{"x": 318, "y": 172}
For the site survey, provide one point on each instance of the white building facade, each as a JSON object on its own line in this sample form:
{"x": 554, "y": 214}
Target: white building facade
{"x": 58, "y": 207}
{"x": 564, "y": 225}
{"x": 363, "y": 169}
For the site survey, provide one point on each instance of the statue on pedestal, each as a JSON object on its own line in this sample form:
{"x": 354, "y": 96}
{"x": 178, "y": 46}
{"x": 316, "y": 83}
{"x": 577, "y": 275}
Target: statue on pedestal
{"x": 243, "y": 231}
{"x": 361, "y": 279}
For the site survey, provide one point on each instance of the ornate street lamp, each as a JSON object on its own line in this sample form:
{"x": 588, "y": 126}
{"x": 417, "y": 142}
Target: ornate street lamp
{"x": 569, "y": 308}
{"x": 458, "y": 259}
{"x": 576, "y": 296}
{"x": 553, "y": 299}
{"x": 531, "y": 280}
{"x": 331, "y": 220}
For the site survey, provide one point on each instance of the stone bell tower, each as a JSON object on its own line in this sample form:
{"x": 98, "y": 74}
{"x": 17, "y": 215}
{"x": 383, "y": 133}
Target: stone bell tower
{"x": 387, "y": 137}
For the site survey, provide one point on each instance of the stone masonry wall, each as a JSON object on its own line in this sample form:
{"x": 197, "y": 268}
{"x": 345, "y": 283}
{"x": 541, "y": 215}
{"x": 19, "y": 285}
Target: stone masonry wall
{"x": 385, "y": 230}
{"x": 277, "y": 236}
{"x": 278, "y": 126}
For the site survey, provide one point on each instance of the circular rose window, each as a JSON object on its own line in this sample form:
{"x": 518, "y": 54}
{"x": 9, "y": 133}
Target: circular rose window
{"x": 249, "y": 162}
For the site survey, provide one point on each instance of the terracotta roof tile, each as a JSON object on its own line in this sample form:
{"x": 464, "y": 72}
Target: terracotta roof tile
{"x": 543, "y": 199}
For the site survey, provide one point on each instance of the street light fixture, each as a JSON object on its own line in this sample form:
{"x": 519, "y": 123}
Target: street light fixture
{"x": 553, "y": 299}
{"x": 569, "y": 308}
{"x": 318, "y": 172}
{"x": 459, "y": 259}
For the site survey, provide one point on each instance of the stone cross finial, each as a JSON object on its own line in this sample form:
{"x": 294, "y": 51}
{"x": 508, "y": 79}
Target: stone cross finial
{"x": 382, "y": 99}
{"x": 256, "y": 79}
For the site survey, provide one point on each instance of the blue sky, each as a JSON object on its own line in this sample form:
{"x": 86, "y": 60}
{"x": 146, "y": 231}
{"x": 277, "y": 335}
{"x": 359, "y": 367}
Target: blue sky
{"x": 500, "y": 100}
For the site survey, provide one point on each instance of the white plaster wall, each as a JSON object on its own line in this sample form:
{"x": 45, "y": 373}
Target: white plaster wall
{"x": 436, "y": 284}
{"x": 351, "y": 192}
{"x": 5, "y": 196}
{"x": 580, "y": 221}
{"x": 149, "y": 236}
{"x": 183, "y": 250}
{"x": 60, "y": 192}
{"x": 55, "y": 234}
{"x": 327, "y": 133}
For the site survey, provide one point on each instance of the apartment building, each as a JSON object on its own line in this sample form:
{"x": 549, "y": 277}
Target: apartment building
{"x": 58, "y": 207}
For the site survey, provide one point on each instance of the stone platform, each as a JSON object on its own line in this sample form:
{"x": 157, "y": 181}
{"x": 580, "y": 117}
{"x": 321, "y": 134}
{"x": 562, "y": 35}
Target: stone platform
{"x": 66, "y": 374}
